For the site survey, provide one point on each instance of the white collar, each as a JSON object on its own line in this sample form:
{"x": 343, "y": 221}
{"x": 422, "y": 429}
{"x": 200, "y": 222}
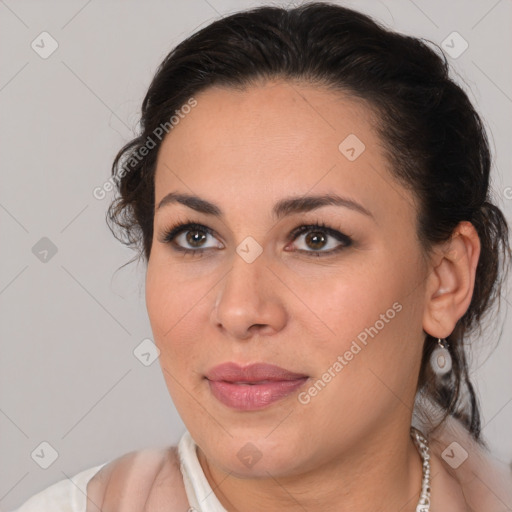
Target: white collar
{"x": 199, "y": 492}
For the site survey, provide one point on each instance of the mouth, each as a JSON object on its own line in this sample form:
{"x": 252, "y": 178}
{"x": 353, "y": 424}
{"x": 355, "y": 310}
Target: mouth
{"x": 252, "y": 387}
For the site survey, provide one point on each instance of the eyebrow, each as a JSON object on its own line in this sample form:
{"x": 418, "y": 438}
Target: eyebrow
{"x": 282, "y": 208}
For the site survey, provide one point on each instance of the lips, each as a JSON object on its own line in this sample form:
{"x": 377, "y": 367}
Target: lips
{"x": 254, "y": 386}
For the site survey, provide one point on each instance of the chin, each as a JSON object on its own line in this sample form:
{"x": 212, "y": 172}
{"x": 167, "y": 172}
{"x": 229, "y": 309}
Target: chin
{"x": 255, "y": 454}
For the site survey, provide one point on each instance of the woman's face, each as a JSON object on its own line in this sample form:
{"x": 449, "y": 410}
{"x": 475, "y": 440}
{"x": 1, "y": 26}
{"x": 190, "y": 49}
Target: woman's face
{"x": 342, "y": 315}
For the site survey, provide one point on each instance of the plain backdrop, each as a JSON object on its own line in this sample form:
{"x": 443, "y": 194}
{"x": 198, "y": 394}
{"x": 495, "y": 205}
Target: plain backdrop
{"x": 70, "y": 323}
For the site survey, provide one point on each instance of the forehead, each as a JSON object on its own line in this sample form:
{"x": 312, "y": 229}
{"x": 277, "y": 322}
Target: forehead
{"x": 273, "y": 138}
{"x": 270, "y": 118}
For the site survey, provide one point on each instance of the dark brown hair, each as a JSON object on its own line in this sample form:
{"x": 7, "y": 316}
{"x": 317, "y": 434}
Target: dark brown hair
{"x": 433, "y": 138}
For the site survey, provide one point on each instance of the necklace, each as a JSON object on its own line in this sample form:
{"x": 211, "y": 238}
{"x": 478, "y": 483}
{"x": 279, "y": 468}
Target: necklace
{"x": 421, "y": 444}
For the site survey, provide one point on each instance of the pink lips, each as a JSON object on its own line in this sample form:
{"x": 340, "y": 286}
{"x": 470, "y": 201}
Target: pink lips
{"x": 252, "y": 387}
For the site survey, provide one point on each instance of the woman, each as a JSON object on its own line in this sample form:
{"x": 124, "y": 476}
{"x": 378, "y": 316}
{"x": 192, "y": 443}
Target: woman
{"x": 310, "y": 192}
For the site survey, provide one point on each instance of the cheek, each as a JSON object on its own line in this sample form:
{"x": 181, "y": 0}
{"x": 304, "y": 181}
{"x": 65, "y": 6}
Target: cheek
{"x": 178, "y": 312}
{"x": 171, "y": 306}
{"x": 165, "y": 303}
{"x": 370, "y": 316}
{"x": 341, "y": 302}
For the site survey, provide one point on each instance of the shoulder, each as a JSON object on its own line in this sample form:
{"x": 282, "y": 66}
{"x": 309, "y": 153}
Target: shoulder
{"x": 447, "y": 492}
{"x": 148, "y": 479}
{"x": 67, "y": 495}
{"x": 465, "y": 472}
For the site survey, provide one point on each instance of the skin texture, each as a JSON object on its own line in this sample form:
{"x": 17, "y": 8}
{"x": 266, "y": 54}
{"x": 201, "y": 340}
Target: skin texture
{"x": 349, "y": 447}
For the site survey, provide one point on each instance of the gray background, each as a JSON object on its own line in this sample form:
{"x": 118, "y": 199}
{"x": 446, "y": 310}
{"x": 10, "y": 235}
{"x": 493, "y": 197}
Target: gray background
{"x": 69, "y": 326}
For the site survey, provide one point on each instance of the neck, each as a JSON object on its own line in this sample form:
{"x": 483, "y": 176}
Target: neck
{"x": 384, "y": 473}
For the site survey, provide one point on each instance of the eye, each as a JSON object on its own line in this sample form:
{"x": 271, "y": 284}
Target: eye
{"x": 316, "y": 237}
{"x": 191, "y": 234}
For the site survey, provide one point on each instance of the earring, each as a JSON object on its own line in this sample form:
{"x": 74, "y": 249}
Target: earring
{"x": 440, "y": 359}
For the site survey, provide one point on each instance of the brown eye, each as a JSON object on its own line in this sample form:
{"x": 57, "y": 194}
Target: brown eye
{"x": 190, "y": 237}
{"x": 195, "y": 237}
{"x": 319, "y": 240}
{"x": 315, "y": 239}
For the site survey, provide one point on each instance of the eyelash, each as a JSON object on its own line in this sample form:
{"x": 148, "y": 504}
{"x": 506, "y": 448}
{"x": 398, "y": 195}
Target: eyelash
{"x": 180, "y": 227}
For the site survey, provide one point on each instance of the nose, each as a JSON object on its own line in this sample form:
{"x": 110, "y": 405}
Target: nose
{"x": 248, "y": 301}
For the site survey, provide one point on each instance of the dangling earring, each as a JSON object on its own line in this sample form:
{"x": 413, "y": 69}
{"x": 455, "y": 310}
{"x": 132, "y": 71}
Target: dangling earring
{"x": 440, "y": 359}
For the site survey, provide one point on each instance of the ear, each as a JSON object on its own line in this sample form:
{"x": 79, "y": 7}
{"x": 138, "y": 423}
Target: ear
{"x": 451, "y": 281}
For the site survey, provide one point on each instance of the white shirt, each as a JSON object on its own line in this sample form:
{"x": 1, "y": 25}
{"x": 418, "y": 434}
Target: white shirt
{"x": 68, "y": 495}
